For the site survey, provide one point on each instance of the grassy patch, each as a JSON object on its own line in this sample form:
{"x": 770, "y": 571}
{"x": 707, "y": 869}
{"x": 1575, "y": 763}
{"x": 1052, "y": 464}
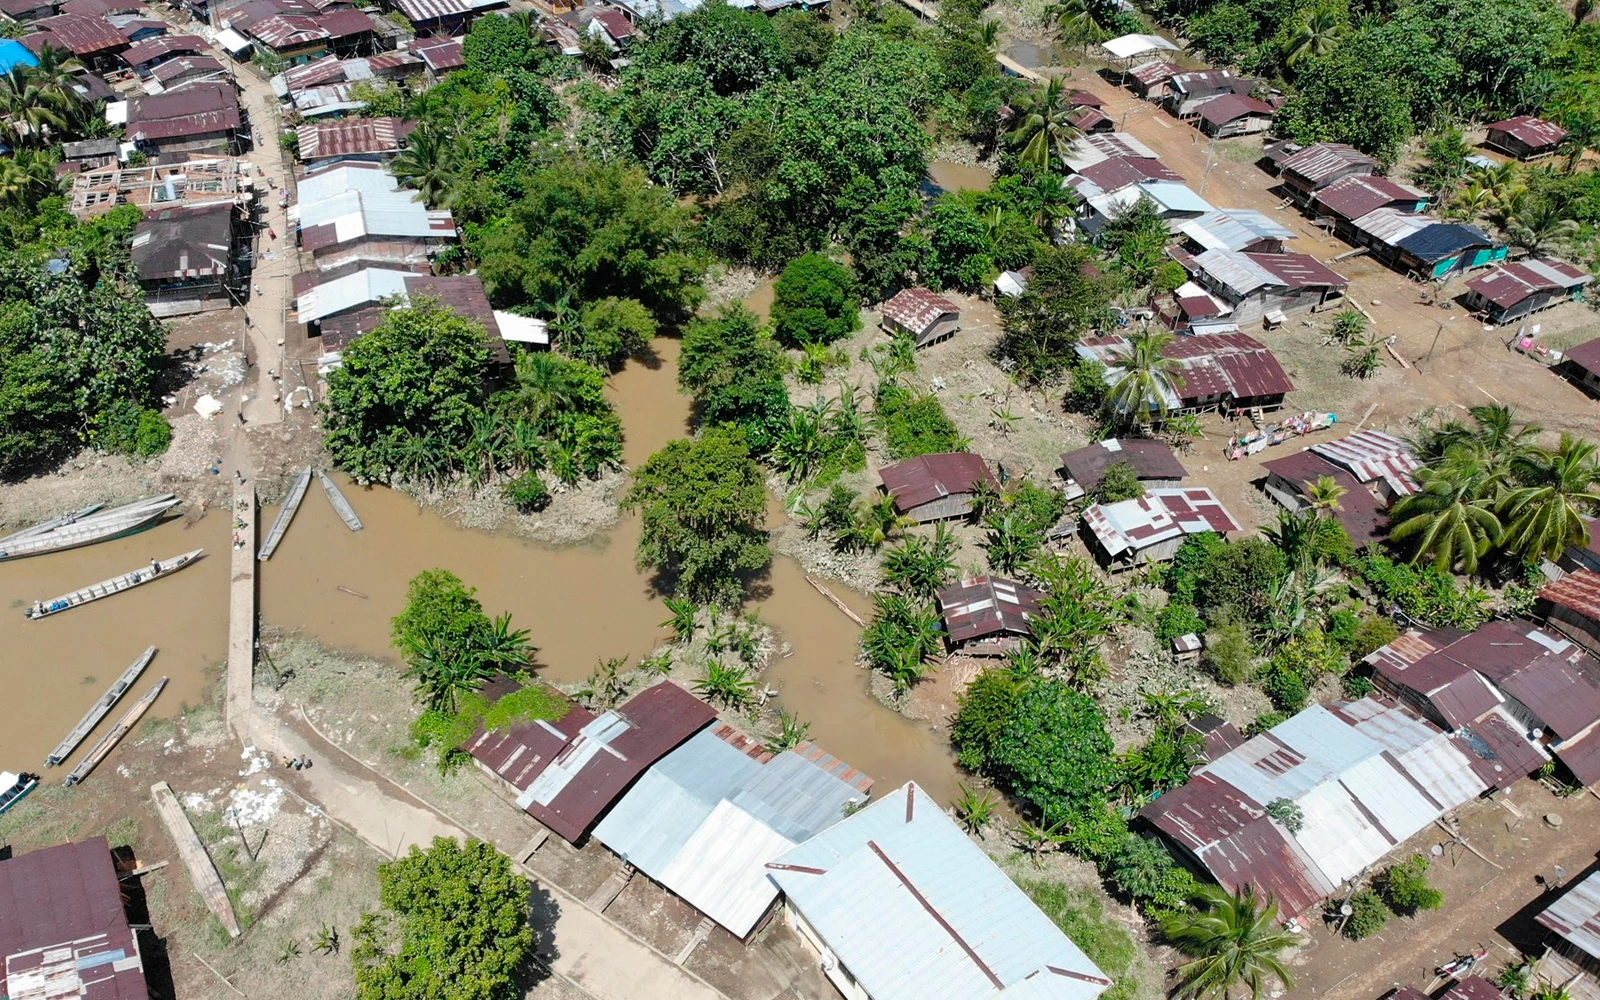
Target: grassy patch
{"x": 123, "y": 832}
{"x": 914, "y": 425}
{"x": 42, "y": 818}
{"x": 1082, "y": 917}
{"x": 239, "y": 874}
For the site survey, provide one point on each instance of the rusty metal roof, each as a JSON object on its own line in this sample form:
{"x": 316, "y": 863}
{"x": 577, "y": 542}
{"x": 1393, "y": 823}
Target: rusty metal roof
{"x": 1554, "y": 691}
{"x": 918, "y": 309}
{"x": 1578, "y": 592}
{"x": 1353, "y": 197}
{"x": 1155, "y": 72}
{"x": 1159, "y": 515}
{"x": 1231, "y": 107}
{"x": 1536, "y": 133}
{"x": 1582, "y": 757}
{"x": 63, "y": 931}
{"x": 1149, "y": 459}
{"x": 988, "y": 605}
{"x": 1506, "y": 284}
{"x": 81, "y": 35}
{"x": 441, "y": 54}
{"x": 1318, "y": 163}
{"x": 166, "y": 45}
{"x": 349, "y": 136}
{"x": 1299, "y": 270}
{"x": 1500, "y": 751}
{"x": 1373, "y": 455}
{"x": 1576, "y": 915}
{"x": 1473, "y": 988}
{"x": 926, "y": 478}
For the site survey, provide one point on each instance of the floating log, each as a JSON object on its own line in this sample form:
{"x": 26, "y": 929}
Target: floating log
{"x": 109, "y": 741}
{"x": 53, "y": 524}
{"x": 99, "y": 527}
{"x": 842, "y": 606}
{"x": 193, "y": 852}
{"x": 100, "y": 709}
{"x": 291, "y": 504}
{"x": 346, "y": 512}
{"x": 352, "y": 593}
{"x": 157, "y": 569}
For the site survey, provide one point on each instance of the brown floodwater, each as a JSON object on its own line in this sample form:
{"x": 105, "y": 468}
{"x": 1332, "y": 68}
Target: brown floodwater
{"x": 53, "y": 669}
{"x": 581, "y": 603}
{"x": 949, "y": 176}
{"x": 759, "y": 301}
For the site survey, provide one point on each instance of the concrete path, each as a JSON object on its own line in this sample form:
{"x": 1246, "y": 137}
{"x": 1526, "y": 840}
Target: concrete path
{"x": 238, "y": 707}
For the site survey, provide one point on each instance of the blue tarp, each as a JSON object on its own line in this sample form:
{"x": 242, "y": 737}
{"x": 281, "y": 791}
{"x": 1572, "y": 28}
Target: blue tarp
{"x": 14, "y": 53}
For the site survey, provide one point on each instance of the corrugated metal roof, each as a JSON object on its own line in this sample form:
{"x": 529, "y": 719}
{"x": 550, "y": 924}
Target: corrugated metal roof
{"x": 1373, "y": 455}
{"x": 1237, "y": 272}
{"x": 184, "y": 242}
{"x": 1367, "y": 776}
{"x": 1507, "y": 284}
{"x": 1317, "y": 163}
{"x": 1353, "y": 197}
{"x": 352, "y": 200}
{"x": 1155, "y": 71}
{"x": 63, "y": 930}
{"x": 1586, "y": 355}
{"x": 1444, "y": 239}
{"x": 926, "y": 478}
{"x": 1535, "y": 133}
{"x": 1576, "y": 915}
{"x": 351, "y": 136}
{"x": 1159, "y": 515}
{"x": 1391, "y": 225}
{"x": 1173, "y": 196}
{"x": 1087, "y": 150}
{"x": 167, "y": 45}
{"x": 350, "y": 292}
{"x": 1582, "y": 757}
{"x": 81, "y": 35}
{"x": 1231, "y": 107}
{"x": 1578, "y": 592}
{"x": 201, "y": 109}
{"x": 1500, "y": 751}
{"x": 1149, "y": 459}
{"x": 706, "y": 818}
{"x": 1117, "y": 172}
{"x": 1565, "y": 702}
{"x": 1298, "y": 270}
{"x": 916, "y": 911}
{"x": 988, "y": 605}
{"x": 1213, "y": 364}
{"x": 1233, "y": 229}
{"x": 1473, "y": 988}
{"x": 441, "y": 54}
{"x": 917, "y": 309}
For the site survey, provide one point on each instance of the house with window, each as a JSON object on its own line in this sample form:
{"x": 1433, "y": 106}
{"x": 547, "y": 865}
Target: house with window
{"x": 1153, "y": 80}
{"x": 1524, "y": 137}
{"x": 1234, "y": 114}
{"x": 1151, "y": 528}
{"x": 1309, "y": 170}
{"x": 186, "y": 258}
{"x": 1508, "y": 291}
{"x": 201, "y": 118}
{"x": 1265, "y": 285}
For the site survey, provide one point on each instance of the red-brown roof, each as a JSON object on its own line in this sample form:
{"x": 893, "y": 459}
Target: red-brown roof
{"x": 441, "y": 54}
{"x": 1359, "y": 513}
{"x": 80, "y": 35}
{"x": 1230, "y": 107}
{"x": 1507, "y": 284}
{"x": 1499, "y": 752}
{"x": 1586, "y": 356}
{"x": 917, "y": 309}
{"x": 167, "y": 45}
{"x": 1353, "y": 197}
{"x": 1299, "y": 270}
{"x": 1578, "y": 592}
{"x": 61, "y": 916}
{"x": 1155, "y": 72}
{"x": 200, "y": 109}
{"x": 926, "y": 478}
{"x": 1084, "y": 99}
{"x": 1582, "y": 758}
{"x": 352, "y": 136}
{"x": 1117, "y": 172}
{"x": 1473, "y": 988}
{"x": 1317, "y": 163}
{"x": 986, "y": 606}
{"x": 1535, "y": 133}
{"x": 1149, "y": 459}
{"x": 1551, "y": 687}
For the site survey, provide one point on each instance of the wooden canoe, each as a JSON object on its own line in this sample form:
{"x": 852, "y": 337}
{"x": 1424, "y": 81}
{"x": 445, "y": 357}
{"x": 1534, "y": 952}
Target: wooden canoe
{"x": 100, "y": 709}
{"x": 99, "y": 527}
{"x": 109, "y": 741}
{"x": 291, "y": 504}
{"x": 53, "y": 523}
{"x": 115, "y": 585}
{"x": 346, "y": 512}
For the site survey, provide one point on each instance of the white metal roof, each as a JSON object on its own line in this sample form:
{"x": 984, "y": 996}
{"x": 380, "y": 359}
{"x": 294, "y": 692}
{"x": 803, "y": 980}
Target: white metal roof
{"x": 522, "y": 329}
{"x": 350, "y": 292}
{"x": 233, "y": 41}
{"x": 1233, "y": 229}
{"x": 1576, "y": 915}
{"x": 1097, "y": 147}
{"x": 915, "y": 911}
{"x": 1128, "y": 46}
{"x": 706, "y": 818}
{"x": 1236, "y": 272}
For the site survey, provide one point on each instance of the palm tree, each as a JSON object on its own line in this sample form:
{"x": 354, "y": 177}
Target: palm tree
{"x": 1149, "y": 379}
{"x": 1009, "y": 543}
{"x": 1319, "y": 34}
{"x": 920, "y": 567}
{"x": 443, "y": 675}
{"x": 1538, "y": 224}
{"x": 975, "y": 810}
{"x": 1324, "y": 495}
{"x": 1077, "y": 21}
{"x": 433, "y": 163}
{"x": 1231, "y": 941}
{"x": 502, "y": 647}
{"x": 1583, "y": 133}
{"x": 1452, "y": 518}
{"x": 874, "y": 524}
{"x": 732, "y": 686}
{"x": 1473, "y": 201}
{"x": 682, "y": 621}
{"x": 1036, "y": 840}
{"x": 1042, "y": 129}
{"x": 1545, "y": 515}
{"x": 31, "y": 111}
{"x": 1498, "y": 437}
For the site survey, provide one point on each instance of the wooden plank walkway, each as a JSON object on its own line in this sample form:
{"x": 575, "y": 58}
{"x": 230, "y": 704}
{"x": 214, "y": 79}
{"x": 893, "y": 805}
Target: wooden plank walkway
{"x": 201, "y": 869}
{"x": 242, "y": 612}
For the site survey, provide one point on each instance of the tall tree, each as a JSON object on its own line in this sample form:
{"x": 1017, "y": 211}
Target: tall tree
{"x": 735, "y": 374}
{"x": 703, "y": 504}
{"x": 1232, "y": 941}
{"x": 1148, "y": 379}
{"x": 1319, "y": 33}
{"x": 1042, "y": 128}
{"x": 1451, "y": 520}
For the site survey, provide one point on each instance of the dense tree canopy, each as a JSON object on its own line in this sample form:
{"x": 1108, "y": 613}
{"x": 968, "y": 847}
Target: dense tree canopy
{"x": 703, "y": 503}
{"x": 735, "y": 374}
{"x": 814, "y": 302}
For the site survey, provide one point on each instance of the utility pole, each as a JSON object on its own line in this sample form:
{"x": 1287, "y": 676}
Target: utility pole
{"x": 1435, "y": 343}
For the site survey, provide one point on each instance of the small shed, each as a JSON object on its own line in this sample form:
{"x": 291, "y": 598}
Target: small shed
{"x": 1573, "y": 921}
{"x": 1524, "y": 137}
{"x": 1151, "y": 528}
{"x": 921, "y": 314}
{"x": 1510, "y": 291}
{"x": 1572, "y": 604}
{"x": 1192, "y": 89}
{"x": 989, "y": 615}
{"x": 1153, "y": 462}
{"x": 1581, "y": 364}
{"x": 1234, "y": 114}
{"x": 1186, "y": 648}
{"x": 936, "y": 487}
{"x": 1152, "y": 80}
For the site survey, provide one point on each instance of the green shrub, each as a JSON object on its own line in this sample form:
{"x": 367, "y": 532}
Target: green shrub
{"x": 1178, "y": 618}
{"x": 1374, "y": 632}
{"x": 127, "y": 428}
{"x": 1229, "y": 654}
{"x": 1087, "y": 392}
{"x": 915, "y": 424}
{"x": 981, "y": 716}
{"x": 1191, "y": 559}
{"x": 1288, "y": 813}
{"x": 1425, "y": 593}
{"x": 1356, "y": 685}
{"x": 1286, "y": 688}
{"x": 527, "y": 493}
{"x": 1406, "y": 889}
{"x": 1369, "y": 915}
{"x": 1120, "y": 482}
{"x": 815, "y": 301}
{"x": 1264, "y": 722}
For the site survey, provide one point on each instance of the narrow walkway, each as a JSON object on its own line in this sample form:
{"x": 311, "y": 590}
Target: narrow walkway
{"x": 242, "y": 610}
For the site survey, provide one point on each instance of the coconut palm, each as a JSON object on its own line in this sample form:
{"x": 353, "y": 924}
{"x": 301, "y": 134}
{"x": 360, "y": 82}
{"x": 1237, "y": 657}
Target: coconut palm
{"x": 1149, "y": 379}
{"x": 1473, "y": 201}
{"x": 29, "y": 109}
{"x": 1077, "y": 22}
{"x": 502, "y": 647}
{"x": 1501, "y": 441}
{"x": 1324, "y": 495}
{"x": 1452, "y": 519}
{"x": 1319, "y": 34}
{"x": 1539, "y": 223}
{"x": 1545, "y": 515}
{"x": 874, "y": 525}
{"x": 1232, "y": 942}
{"x": 1008, "y": 543}
{"x": 1042, "y": 128}
{"x": 433, "y": 163}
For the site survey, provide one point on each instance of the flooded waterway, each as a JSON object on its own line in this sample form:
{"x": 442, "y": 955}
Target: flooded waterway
{"x": 581, "y": 603}
{"x": 947, "y": 176}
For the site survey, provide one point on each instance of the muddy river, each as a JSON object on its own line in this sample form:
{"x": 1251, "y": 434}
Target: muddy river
{"x": 581, "y": 602}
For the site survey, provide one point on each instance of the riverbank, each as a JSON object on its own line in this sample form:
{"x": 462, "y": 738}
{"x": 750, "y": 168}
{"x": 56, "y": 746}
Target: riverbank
{"x": 576, "y": 513}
